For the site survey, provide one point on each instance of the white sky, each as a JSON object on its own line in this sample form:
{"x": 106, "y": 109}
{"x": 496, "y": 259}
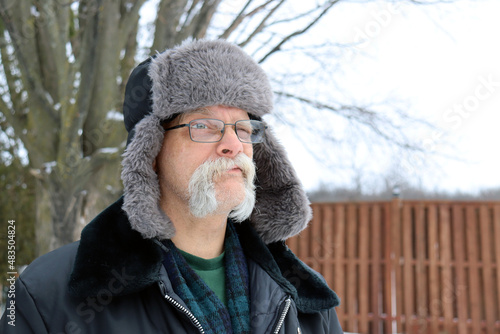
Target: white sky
{"x": 435, "y": 58}
{"x": 445, "y": 60}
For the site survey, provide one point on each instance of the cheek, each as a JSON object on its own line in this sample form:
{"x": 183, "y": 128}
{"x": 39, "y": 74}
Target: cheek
{"x": 166, "y": 163}
{"x": 177, "y": 166}
{"x": 248, "y": 150}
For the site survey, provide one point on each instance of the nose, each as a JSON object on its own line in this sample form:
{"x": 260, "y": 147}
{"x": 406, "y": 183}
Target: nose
{"x": 229, "y": 146}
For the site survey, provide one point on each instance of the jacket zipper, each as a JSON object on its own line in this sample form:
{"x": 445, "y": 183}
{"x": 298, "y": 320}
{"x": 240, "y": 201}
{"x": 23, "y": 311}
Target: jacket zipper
{"x": 181, "y": 308}
{"x": 288, "y": 302}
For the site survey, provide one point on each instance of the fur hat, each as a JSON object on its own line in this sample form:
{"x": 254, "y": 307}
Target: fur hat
{"x": 194, "y": 75}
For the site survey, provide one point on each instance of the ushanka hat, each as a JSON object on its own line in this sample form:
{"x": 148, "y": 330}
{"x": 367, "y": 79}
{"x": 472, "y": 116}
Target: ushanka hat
{"x": 195, "y": 75}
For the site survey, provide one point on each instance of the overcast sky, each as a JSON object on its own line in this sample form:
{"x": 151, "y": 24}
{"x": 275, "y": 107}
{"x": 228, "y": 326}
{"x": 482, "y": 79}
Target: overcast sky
{"x": 441, "y": 60}
{"x": 445, "y": 61}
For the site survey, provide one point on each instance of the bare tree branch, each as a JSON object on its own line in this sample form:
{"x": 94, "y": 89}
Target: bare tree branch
{"x": 196, "y": 25}
{"x": 16, "y": 119}
{"x": 104, "y": 64}
{"x": 262, "y": 24}
{"x": 189, "y": 13}
{"x": 375, "y": 121}
{"x": 128, "y": 60}
{"x": 30, "y": 72}
{"x": 129, "y": 15}
{"x": 278, "y": 47}
{"x": 11, "y": 79}
{"x": 204, "y": 18}
{"x": 242, "y": 16}
{"x": 237, "y": 21}
{"x": 294, "y": 18}
{"x": 12, "y": 120}
{"x": 186, "y": 28}
{"x": 51, "y": 56}
{"x": 167, "y": 23}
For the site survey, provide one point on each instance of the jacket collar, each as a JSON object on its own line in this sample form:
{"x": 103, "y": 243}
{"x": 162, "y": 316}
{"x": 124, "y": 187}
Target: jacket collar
{"x": 110, "y": 248}
{"x": 307, "y": 288}
{"x": 111, "y": 254}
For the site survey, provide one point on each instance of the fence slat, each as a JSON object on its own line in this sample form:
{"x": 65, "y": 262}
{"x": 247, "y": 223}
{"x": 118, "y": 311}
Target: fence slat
{"x": 315, "y": 246}
{"x": 421, "y": 269}
{"x": 496, "y": 224}
{"x": 473, "y": 259}
{"x": 364, "y": 294}
{"x": 434, "y": 294}
{"x": 408, "y": 276}
{"x": 352, "y": 277}
{"x": 397, "y": 268}
{"x": 487, "y": 283}
{"x": 303, "y": 244}
{"x": 340, "y": 274}
{"x": 328, "y": 244}
{"x": 459, "y": 254}
{"x": 388, "y": 267}
{"x": 376, "y": 277}
{"x": 447, "y": 288}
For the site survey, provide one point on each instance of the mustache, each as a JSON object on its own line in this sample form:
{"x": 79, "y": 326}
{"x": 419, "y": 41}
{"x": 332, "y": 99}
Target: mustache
{"x": 202, "y": 196}
{"x": 217, "y": 167}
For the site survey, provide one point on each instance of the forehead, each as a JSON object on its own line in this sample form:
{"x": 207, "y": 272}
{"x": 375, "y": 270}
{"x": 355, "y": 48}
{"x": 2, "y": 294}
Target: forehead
{"x": 219, "y": 112}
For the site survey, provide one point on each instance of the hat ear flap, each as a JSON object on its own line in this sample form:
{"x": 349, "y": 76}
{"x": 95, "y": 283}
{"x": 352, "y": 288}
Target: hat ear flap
{"x": 282, "y": 209}
{"x": 142, "y": 189}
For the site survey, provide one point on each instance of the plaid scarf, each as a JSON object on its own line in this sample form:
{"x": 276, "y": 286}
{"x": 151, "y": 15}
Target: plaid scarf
{"x": 201, "y": 300}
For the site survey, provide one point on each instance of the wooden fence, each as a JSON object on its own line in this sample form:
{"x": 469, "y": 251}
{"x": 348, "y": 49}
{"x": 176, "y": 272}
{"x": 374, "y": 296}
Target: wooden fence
{"x": 409, "y": 266}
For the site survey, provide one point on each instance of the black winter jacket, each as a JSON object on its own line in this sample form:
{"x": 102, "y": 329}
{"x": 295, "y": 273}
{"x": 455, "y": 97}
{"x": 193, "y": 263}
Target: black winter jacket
{"x": 113, "y": 281}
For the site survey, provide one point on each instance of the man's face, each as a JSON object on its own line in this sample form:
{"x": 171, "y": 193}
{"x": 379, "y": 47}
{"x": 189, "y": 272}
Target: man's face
{"x": 180, "y": 158}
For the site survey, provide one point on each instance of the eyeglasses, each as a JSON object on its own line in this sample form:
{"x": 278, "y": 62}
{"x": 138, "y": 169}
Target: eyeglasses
{"x": 207, "y": 130}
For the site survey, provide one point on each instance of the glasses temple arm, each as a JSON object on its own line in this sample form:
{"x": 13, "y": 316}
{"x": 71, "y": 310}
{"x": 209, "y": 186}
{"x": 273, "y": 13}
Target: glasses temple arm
{"x": 175, "y": 127}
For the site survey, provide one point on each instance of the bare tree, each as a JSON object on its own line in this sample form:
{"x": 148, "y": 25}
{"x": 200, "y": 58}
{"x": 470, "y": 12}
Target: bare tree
{"x": 64, "y": 66}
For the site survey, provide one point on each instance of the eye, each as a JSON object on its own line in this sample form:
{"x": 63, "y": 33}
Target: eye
{"x": 244, "y": 129}
{"x": 199, "y": 125}
{"x": 206, "y": 124}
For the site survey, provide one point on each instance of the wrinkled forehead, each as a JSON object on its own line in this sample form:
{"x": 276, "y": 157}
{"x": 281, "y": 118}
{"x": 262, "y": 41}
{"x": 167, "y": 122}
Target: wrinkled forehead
{"x": 211, "y": 112}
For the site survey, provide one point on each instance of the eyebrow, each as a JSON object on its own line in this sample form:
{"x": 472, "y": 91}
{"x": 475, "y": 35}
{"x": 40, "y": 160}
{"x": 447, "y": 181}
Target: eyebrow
{"x": 203, "y": 111}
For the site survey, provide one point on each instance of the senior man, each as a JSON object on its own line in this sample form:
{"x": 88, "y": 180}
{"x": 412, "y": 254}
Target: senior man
{"x": 197, "y": 242}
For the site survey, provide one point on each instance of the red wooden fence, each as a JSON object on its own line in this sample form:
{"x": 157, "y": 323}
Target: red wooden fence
{"x": 409, "y": 266}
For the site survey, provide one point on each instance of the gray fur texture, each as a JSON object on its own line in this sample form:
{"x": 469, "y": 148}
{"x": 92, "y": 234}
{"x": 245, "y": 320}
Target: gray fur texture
{"x": 201, "y": 74}
{"x": 282, "y": 209}
{"x": 142, "y": 188}
{"x": 208, "y": 73}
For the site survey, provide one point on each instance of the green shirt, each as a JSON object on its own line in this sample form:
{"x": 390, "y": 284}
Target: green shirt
{"x": 212, "y": 271}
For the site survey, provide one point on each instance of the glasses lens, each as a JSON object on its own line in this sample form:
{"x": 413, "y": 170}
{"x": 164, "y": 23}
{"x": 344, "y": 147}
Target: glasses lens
{"x": 206, "y": 130}
{"x": 250, "y": 131}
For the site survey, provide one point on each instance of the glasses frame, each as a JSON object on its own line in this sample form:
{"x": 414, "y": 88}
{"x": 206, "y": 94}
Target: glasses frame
{"x": 223, "y": 130}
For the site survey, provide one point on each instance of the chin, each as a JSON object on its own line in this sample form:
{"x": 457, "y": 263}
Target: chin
{"x": 234, "y": 186}
{"x": 230, "y": 197}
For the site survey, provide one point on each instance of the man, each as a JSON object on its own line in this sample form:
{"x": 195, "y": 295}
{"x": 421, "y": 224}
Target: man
{"x": 196, "y": 244}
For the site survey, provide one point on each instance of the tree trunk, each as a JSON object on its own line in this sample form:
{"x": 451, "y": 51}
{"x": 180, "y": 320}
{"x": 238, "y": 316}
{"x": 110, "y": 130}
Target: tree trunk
{"x": 66, "y": 208}
{"x": 58, "y": 209}
{"x": 43, "y": 228}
